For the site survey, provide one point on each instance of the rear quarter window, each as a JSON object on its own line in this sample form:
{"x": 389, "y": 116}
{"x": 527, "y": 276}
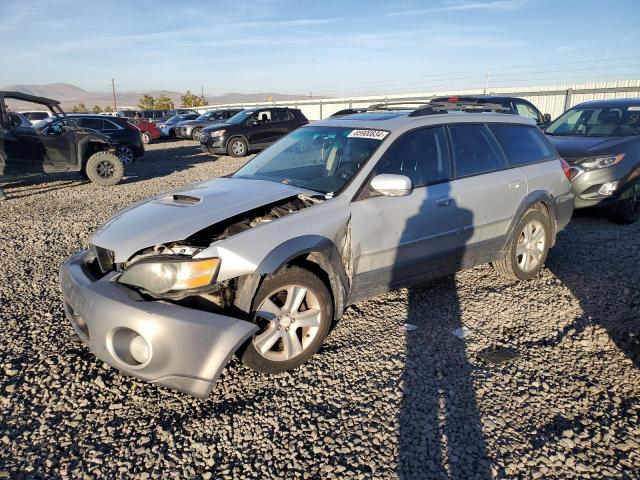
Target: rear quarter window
{"x": 522, "y": 144}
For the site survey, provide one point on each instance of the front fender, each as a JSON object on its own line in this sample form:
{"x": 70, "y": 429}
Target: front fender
{"x": 320, "y": 250}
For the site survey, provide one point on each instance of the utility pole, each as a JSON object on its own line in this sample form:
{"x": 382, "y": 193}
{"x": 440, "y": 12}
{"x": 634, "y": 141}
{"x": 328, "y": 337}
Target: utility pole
{"x": 486, "y": 84}
{"x": 113, "y": 88}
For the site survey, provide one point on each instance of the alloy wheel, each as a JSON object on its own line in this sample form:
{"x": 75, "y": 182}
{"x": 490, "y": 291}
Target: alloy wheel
{"x": 125, "y": 154}
{"x": 105, "y": 169}
{"x": 531, "y": 246}
{"x": 289, "y": 320}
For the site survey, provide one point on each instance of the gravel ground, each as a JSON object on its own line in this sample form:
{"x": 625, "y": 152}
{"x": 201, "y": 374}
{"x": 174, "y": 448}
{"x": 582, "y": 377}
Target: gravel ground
{"x": 378, "y": 401}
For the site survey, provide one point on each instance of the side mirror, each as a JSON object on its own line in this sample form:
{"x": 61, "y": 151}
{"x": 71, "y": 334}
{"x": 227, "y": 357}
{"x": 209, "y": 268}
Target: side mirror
{"x": 56, "y": 128}
{"x": 252, "y": 122}
{"x": 391, "y": 185}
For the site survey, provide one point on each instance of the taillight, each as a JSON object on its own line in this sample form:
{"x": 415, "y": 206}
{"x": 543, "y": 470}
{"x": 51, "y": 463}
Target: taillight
{"x": 566, "y": 168}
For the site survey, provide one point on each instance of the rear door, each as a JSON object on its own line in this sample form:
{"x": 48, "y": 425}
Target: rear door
{"x": 490, "y": 189}
{"x": 397, "y": 239}
{"x": 20, "y": 149}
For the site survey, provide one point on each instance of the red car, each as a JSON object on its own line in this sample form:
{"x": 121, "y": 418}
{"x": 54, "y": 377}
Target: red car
{"x": 148, "y": 130}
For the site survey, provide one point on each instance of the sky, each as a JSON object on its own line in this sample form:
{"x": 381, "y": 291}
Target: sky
{"x": 327, "y": 47}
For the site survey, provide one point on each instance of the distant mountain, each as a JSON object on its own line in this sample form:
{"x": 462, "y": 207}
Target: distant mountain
{"x": 70, "y": 95}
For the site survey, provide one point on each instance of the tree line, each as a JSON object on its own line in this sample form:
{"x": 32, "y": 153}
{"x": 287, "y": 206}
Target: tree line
{"x": 147, "y": 102}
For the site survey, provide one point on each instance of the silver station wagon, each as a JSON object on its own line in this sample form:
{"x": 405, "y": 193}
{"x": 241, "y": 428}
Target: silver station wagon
{"x": 261, "y": 263}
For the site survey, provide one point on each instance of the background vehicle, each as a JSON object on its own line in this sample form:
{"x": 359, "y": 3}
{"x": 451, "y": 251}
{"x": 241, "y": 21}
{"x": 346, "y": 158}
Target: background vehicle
{"x": 518, "y": 106}
{"x": 601, "y": 142}
{"x": 120, "y": 130}
{"x": 60, "y": 147}
{"x": 168, "y": 127}
{"x": 36, "y": 116}
{"x": 263, "y": 261}
{"x": 20, "y": 120}
{"x": 192, "y": 128}
{"x": 251, "y": 129}
{"x": 149, "y": 131}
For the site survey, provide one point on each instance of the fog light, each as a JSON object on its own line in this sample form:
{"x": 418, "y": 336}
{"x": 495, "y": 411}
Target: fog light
{"x": 139, "y": 349}
{"x": 608, "y": 188}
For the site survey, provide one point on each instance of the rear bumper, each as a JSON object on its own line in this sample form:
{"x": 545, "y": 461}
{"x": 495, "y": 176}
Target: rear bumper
{"x": 187, "y": 348}
{"x": 565, "y": 205}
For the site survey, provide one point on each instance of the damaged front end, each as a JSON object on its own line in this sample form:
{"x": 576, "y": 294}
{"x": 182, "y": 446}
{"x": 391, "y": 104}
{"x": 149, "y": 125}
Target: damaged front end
{"x": 162, "y": 314}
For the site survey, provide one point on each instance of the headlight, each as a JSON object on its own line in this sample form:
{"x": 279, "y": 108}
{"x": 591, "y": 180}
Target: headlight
{"x": 601, "y": 162}
{"x": 165, "y": 275}
{"x": 216, "y": 133}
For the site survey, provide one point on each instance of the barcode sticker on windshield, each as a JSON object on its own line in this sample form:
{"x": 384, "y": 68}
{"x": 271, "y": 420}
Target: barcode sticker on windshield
{"x": 374, "y": 134}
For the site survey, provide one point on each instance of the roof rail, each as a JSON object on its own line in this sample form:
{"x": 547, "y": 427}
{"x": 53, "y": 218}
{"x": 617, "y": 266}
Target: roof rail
{"x": 442, "y": 107}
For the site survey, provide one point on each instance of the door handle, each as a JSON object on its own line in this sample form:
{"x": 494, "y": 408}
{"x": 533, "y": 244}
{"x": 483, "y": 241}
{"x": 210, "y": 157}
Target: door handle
{"x": 444, "y": 202}
{"x": 515, "y": 185}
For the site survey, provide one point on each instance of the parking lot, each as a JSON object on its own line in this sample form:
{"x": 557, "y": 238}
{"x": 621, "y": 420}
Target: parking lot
{"x": 380, "y": 400}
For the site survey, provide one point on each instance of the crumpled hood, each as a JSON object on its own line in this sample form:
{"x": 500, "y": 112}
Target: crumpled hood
{"x": 175, "y": 215}
{"x": 573, "y": 147}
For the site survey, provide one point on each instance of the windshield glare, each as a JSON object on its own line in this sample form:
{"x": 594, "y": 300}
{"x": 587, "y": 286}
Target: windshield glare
{"x": 240, "y": 116}
{"x": 598, "y": 122}
{"x": 322, "y": 159}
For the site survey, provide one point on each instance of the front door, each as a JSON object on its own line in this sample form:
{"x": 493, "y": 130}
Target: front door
{"x": 396, "y": 240}
{"x": 261, "y": 133}
{"x": 60, "y": 147}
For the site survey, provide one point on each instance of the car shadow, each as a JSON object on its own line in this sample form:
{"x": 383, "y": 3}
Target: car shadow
{"x": 155, "y": 163}
{"x": 440, "y": 432}
{"x": 579, "y": 261}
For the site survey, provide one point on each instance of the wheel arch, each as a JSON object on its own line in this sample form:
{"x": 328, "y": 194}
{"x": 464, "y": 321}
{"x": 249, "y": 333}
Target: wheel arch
{"x": 538, "y": 197}
{"x": 313, "y": 252}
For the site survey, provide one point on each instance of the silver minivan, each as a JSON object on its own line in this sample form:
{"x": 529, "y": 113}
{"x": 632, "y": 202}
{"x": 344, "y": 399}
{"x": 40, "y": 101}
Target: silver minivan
{"x": 260, "y": 263}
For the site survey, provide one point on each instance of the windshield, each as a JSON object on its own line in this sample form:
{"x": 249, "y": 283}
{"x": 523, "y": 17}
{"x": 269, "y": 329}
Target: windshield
{"x": 597, "y": 122}
{"x": 322, "y": 159}
{"x": 241, "y": 116}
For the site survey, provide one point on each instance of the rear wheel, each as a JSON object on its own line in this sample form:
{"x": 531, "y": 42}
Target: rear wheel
{"x": 125, "y": 153}
{"x": 104, "y": 169}
{"x": 294, "y": 312}
{"x": 237, "y": 147}
{"x": 527, "y": 249}
{"x": 628, "y": 210}
{"x": 146, "y": 138}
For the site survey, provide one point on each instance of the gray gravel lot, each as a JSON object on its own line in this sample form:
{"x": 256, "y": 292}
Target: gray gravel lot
{"x": 378, "y": 401}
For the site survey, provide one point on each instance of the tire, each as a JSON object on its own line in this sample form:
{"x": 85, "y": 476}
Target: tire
{"x": 286, "y": 341}
{"x": 195, "y": 134}
{"x": 104, "y": 169}
{"x": 628, "y": 210}
{"x": 527, "y": 250}
{"x": 146, "y": 138}
{"x": 237, "y": 147}
{"x": 126, "y": 154}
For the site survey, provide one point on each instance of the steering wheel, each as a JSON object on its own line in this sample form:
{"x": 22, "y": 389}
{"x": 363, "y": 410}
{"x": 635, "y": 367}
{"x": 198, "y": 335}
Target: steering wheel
{"x": 347, "y": 170}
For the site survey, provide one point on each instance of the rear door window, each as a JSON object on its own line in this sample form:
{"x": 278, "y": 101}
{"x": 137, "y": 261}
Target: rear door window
{"x": 475, "y": 151}
{"x": 280, "y": 116}
{"x": 92, "y": 123}
{"x": 422, "y": 155}
{"x": 522, "y": 144}
{"x": 527, "y": 111}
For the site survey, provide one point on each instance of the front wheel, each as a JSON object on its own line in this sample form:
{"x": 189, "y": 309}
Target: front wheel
{"x": 293, "y": 312}
{"x": 527, "y": 249}
{"x": 104, "y": 169}
{"x": 237, "y": 147}
{"x": 196, "y": 134}
{"x": 628, "y": 210}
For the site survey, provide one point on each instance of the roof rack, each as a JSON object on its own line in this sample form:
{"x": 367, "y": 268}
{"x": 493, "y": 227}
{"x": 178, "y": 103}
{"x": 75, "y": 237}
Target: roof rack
{"x": 442, "y": 107}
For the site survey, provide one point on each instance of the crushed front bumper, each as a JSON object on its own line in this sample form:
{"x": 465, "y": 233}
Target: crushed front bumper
{"x": 187, "y": 348}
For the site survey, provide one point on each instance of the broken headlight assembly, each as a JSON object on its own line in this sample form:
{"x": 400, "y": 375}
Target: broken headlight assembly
{"x": 170, "y": 274}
